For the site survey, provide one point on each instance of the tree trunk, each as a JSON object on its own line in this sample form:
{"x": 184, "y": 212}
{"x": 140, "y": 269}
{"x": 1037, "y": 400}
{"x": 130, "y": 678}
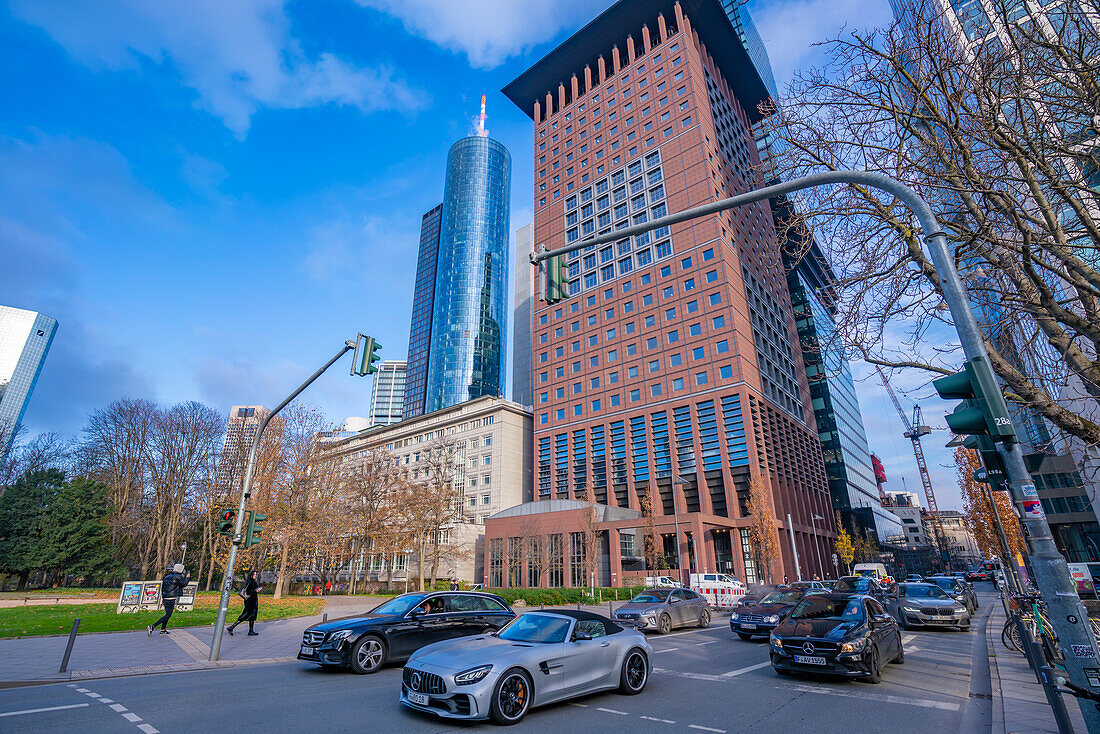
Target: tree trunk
{"x": 23, "y": 575}
{"x": 281, "y": 581}
{"x": 435, "y": 560}
{"x": 420, "y": 560}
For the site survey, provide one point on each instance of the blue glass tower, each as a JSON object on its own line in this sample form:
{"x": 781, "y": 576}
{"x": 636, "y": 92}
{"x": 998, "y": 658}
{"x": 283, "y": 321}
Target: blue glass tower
{"x": 25, "y": 339}
{"x": 420, "y": 330}
{"x": 469, "y": 316}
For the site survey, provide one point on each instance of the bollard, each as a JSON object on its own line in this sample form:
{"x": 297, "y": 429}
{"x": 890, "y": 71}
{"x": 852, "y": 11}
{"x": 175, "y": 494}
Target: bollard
{"x": 69, "y": 646}
{"x": 609, "y": 610}
{"x": 324, "y": 617}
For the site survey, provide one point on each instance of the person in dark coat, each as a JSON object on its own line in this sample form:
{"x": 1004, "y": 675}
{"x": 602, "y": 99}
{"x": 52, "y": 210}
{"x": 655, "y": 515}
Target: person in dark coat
{"x": 175, "y": 581}
{"x": 251, "y": 609}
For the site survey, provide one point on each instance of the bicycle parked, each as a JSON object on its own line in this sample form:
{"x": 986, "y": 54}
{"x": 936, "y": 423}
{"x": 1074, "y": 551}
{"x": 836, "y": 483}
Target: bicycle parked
{"x": 1027, "y": 612}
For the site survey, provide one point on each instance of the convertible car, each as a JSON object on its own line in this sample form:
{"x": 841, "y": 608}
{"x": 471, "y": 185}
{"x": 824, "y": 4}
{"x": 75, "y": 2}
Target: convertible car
{"x": 539, "y": 658}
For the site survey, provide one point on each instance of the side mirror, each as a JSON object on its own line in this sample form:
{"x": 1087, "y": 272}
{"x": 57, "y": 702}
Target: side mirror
{"x": 580, "y": 636}
{"x": 673, "y": 601}
{"x": 416, "y": 613}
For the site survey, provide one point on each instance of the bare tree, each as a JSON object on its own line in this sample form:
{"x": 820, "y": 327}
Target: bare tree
{"x": 1000, "y": 135}
{"x": 534, "y": 550}
{"x": 44, "y": 451}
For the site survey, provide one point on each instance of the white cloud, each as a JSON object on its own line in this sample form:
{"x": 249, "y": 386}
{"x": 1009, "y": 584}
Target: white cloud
{"x": 487, "y": 31}
{"x": 790, "y": 28}
{"x": 238, "y": 55}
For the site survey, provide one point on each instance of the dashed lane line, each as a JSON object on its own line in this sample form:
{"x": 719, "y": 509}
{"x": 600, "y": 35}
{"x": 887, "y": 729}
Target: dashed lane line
{"x": 667, "y": 649}
{"x": 691, "y": 676}
{"x": 660, "y": 721}
{"x": 746, "y": 669}
{"x": 612, "y": 711}
{"x": 131, "y": 717}
{"x": 42, "y": 711}
{"x": 116, "y": 707}
{"x": 884, "y": 698}
{"x": 706, "y": 728}
{"x": 119, "y": 707}
{"x": 709, "y": 642}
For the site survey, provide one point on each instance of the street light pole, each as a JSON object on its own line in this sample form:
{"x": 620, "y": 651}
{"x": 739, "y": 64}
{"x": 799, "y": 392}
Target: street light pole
{"x": 676, "y": 523}
{"x": 1059, "y": 590}
{"x": 817, "y": 544}
{"x": 246, "y": 491}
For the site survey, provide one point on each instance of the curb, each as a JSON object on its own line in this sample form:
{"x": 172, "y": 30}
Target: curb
{"x": 100, "y": 673}
{"x": 998, "y": 723}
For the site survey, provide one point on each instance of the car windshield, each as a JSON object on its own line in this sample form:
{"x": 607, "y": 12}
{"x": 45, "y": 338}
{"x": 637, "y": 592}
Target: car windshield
{"x": 535, "y": 628}
{"x": 923, "y": 591}
{"x": 781, "y": 597}
{"x": 946, "y": 584}
{"x": 821, "y": 607}
{"x": 860, "y": 584}
{"x": 653, "y": 596}
{"x": 399, "y": 605}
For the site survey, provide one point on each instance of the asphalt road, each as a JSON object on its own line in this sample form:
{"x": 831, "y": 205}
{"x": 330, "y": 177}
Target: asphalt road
{"x": 703, "y": 681}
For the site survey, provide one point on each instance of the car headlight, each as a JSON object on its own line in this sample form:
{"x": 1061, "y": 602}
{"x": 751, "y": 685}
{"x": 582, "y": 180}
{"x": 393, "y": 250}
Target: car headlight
{"x": 959, "y": 609}
{"x": 911, "y": 610}
{"x": 473, "y": 675}
{"x": 854, "y": 646}
{"x": 339, "y": 635}
{"x": 735, "y": 616}
{"x": 771, "y": 618}
{"x": 775, "y": 641}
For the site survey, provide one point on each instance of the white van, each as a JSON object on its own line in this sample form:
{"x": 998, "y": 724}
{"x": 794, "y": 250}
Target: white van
{"x": 876, "y": 571}
{"x": 656, "y": 582}
{"x": 721, "y": 590}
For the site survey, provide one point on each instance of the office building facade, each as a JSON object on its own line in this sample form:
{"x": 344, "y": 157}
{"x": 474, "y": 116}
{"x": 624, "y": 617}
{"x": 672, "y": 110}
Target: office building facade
{"x": 25, "y": 340}
{"x": 387, "y": 393}
{"x": 240, "y": 432}
{"x": 470, "y": 315}
{"x": 523, "y": 314}
{"x": 420, "y": 328}
{"x": 666, "y": 382}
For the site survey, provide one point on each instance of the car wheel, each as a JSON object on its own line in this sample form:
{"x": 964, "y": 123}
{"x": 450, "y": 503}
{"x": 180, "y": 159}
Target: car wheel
{"x": 874, "y": 669}
{"x": 635, "y": 673}
{"x": 744, "y": 636}
{"x": 900, "y": 659}
{"x": 664, "y": 624}
{"x": 368, "y": 654}
{"x": 704, "y": 619}
{"x": 511, "y": 698}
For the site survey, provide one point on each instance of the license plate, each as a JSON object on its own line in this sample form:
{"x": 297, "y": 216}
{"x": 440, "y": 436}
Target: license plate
{"x": 420, "y": 699}
{"x": 748, "y": 626}
{"x": 809, "y": 659}
{"x": 308, "y": 650}
{"x": 941, "y": 621}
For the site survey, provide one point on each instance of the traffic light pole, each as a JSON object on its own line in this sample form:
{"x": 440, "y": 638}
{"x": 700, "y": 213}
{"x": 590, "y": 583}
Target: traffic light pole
{"x": 246, "y": 491}
{"x": 1059, "y": 590}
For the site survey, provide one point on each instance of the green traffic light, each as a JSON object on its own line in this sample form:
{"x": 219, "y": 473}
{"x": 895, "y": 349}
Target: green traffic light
{"x": 984, "y": 410}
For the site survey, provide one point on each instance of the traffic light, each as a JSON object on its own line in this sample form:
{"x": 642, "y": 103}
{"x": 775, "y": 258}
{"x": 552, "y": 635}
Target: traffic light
{"x": 983, "y": 411}
{"x": 225, "y": 522}
{"x": 253, "y": 533}
{"x": 994, "y": 472}
{"x": 365, "y": 356}
{"x": 555, "y": 284}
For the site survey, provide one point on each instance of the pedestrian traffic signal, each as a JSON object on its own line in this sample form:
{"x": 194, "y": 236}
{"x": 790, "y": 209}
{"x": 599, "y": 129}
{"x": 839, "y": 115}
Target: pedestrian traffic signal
{"x": 555, "y": 285}
{"x": 226, "y": 522}
{"x": 983, "y": 410}
{"x": 994, "y": 471}
{"x": 365, "y": 356}
{"x": 252, "y": 535}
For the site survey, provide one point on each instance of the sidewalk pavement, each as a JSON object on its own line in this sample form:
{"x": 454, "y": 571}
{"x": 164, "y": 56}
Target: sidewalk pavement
{"x": 1019, "y": 704}
{"x": 29, "y": 660}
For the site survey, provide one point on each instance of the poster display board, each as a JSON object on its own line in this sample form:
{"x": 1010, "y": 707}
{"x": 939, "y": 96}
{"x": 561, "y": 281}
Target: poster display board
{"x": 144, "y": 596}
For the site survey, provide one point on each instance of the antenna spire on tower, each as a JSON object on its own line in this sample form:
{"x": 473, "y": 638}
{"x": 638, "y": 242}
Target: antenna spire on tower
{"x": 481, "y": 121}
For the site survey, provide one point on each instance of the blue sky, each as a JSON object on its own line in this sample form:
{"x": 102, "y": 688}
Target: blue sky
{"x": 210, "y": 197}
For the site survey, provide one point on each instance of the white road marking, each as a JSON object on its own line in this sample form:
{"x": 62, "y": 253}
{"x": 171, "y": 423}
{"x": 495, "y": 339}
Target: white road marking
{"x": 711, "y": 642}
{"x": 746, "y": 669}
{"x": 90, "y": 694}
{"x": 706, "y": 728}
{"x": 72, "y": 685}
{"x": 924, "y": 703}
{"x": 907, "y": 639}
{"x": 81, "y": 690}
{"x": 132, "y": 717}
{"x": 580, "y": 705}
{"x": 119, "y": 707}
{"x": 148, "y": 729}
{"x": 692, "y": 676}
{"x": 667, "y": 649}
{"x": 662, "y": 721}
{"x": 611, "y": 711}
{"x": 105, "y": 700}
{"x": 39, "y": 711}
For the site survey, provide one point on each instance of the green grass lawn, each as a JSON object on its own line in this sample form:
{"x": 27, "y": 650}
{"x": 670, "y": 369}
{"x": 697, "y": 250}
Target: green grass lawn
{"x": 57, "y": 619}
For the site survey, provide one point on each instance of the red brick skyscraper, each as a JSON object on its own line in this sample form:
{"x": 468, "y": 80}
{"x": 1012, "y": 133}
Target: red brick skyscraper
{"x": 674, "y": 367}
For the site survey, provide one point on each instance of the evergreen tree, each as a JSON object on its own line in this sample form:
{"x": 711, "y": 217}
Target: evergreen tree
{"x": 24, "y": 518}
{"x": 77, "y": 540}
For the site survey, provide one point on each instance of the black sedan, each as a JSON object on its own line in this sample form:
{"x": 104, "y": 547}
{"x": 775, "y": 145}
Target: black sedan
{"x": 760, "y": 618}
{"x": 848, "y": 635}
{"x": 861, "y": 585}
{"x": 399, "y": 627}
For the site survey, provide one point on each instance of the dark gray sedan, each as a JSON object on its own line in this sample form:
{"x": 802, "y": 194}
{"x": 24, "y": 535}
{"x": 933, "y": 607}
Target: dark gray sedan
{"x": 663, "y": 609}
{"x": 962, "y": 591}
{"x": 927, "y": 605}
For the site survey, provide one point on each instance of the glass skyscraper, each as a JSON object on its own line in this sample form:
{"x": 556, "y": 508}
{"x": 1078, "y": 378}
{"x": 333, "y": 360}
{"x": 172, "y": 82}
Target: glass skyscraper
{"x": 469, "y": 315}
{"x": 25, "y": 339}
{"x": 420, "y": 330}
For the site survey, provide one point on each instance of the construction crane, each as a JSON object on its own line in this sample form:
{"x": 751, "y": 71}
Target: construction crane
{"x": 914, "y": 430}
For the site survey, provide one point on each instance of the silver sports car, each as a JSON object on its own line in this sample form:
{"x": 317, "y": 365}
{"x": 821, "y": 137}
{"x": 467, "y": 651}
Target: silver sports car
{"x": 538, "y": 658}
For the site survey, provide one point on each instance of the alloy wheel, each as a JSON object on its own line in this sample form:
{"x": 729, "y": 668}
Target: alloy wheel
{"x": 369, "y": 655}
{"x": 636, "y": 671}
{"x": 513, "y": 696}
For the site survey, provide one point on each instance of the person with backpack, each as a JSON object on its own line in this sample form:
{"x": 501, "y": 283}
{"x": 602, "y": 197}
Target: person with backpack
{"x": 175, "y": 581}
{"x": 251, "y": 594}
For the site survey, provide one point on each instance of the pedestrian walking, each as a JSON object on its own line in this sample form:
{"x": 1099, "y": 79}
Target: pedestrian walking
{"x": 454, "y": 584}
{"x": 170, "y": 589}
{"x": 786, "y": 580}
{"x": 251, "y": 594}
